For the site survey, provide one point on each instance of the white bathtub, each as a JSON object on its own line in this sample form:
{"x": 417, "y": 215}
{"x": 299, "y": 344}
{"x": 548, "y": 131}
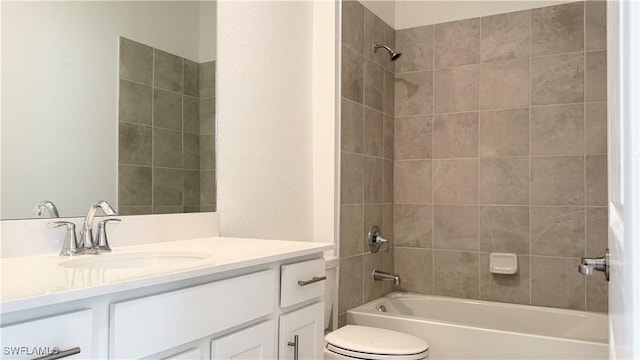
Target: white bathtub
{"x": 471, "y": 329}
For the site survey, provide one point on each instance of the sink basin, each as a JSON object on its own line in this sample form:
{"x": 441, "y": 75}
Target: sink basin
{"x": 135, "y": 260}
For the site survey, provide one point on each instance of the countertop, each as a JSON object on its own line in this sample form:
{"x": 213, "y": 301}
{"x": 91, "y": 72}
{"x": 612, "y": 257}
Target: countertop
{"x": 33, "y": 281}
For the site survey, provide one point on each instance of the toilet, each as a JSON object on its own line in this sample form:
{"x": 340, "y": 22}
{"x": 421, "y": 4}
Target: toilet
{"x": 364, "y": 342}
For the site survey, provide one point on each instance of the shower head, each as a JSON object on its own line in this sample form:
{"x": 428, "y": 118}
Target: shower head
{"x": 394, "y": 54}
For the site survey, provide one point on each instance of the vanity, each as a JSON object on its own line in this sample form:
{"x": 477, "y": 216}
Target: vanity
{"x": 209, "y": 297}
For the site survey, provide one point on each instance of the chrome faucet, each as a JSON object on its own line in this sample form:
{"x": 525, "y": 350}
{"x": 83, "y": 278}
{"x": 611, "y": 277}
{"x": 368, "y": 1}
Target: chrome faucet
{"x": 385, "y": 276}
{"x": 86, "y": 236}
{"x": 47, "y": 205}
{"x": 588, "y": 265}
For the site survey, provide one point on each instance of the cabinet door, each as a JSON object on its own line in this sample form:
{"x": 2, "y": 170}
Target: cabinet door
{"x": 308, "y": 324}
{"x": 193, "y": 354}
{"x": 256, "y": 342}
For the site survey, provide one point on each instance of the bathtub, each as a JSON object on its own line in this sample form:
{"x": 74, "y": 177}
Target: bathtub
{"x": 471, "y": 329}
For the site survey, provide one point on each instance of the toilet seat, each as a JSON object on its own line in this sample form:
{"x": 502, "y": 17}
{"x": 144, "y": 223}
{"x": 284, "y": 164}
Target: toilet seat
{"x": 363, "y": 342}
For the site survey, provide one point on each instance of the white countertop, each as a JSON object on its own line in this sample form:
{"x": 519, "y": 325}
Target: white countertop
{"x": 33, "y": 281}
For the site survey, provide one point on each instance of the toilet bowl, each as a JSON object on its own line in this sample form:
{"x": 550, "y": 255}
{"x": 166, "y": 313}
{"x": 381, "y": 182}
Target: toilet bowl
{"x": 363, "y": 342}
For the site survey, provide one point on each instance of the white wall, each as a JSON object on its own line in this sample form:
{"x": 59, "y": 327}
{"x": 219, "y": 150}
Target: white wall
{"x": 265, "y": 140}
{"x": 59, "y": 94}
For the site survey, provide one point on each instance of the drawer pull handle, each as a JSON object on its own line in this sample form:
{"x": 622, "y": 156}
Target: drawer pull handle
{"x": 60, "y": 354}
{"x": 315, "y": 279}
{"x": 295, "y": 346}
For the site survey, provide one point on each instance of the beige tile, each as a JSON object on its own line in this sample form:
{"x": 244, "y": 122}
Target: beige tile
{"x": 415, "y": 267}
{"x": 167, "y": 187}
{"x": 455, "y": 135}
{"x": 374, "y": 32}
{"x": 595, "y": 13}
{"x": 504, "y": 133}
{"x": 413, "y": 137}
{"x": 388, "y": 223}
{"x": 167, "y": 110}
{"x": 456, "y": 89}
{"x": 352, "y": 125}
{"x": 457, "y": 43}
{"x": 136, "y": 61}
{"x": 388, "y": 181}
{"x": 504, "y": 229}
{"x": 351, "y": 283}
{"x": 390, "y": 40}
{"x": 373, "y": 180}
{"x": 167, "y": 71}
{"x": 135, "y": 103}
{"x": 191, "y": 77}
{"x": 191, "y": 152}
{"x": 352, "y": 178}
{"x": 597, "y": 293}
{"x": 388, "y": 136}
{"x": 351, "y": 230}
{"x": 207, "y": 79}
{"x": 504, "y": 181}
{"x": 373, "y": 215}
{"x": 455, "y": 181}
{"x": 596, "y": 128}
{"x": 596, "y": 78}
{"x": 191, "y": 115}
{"x": 413, "y": 225}
{"x": 557, "y": 231}
{"x": 207, "y": 152}
{"x": 207, "y": 190}
{"x": 416, "y": 44}
{"x": 597, "y": 227}
{"x": 504, "y": 84}
{"x": 373, "y": 85}
{"x": 388, "y": 101}
{"x": 167, "y": 148}
{"x": 557, "y": 29}
{"x": 505, "y": 288}
{"x": 207, "y": 109}
{"x": 455, "y": 227}
{"x": 191, "y": 188}
{"x": 557, "y": 180}
{"x": 505, "y": 36}
{"x": 352, "y": 75}
{"x": 134, "y": 185}
{"x": 134, "y": 143}
{"x": 597, "y": 180}
{"x": 388, "y": 265}
{"x": 456, "y": 274}
{"x": 353, "y": 25}
{"x": 373, "y": 133}
{"x": 412, "y": 182}
{"x": 557, "y": 79}
{"x": 557, "y": 130}
{"x": 372, "y": 289}
{"x": 556, "y": 283}
{"x": 414, "y": 94}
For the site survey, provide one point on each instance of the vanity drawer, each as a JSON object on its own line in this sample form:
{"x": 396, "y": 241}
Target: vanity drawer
{"x": 146, "y": 326}
{"x": 301, "y": 281}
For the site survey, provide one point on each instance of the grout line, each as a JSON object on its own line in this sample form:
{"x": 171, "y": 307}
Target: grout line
{"x": 153, "y": 122}
{"x": 584, "y": 135}
{"x": 529, "y": 155}
{"x": 433, "y": 138}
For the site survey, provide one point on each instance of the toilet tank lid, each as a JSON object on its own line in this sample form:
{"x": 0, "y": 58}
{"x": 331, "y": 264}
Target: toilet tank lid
{"x": 372, "y": 340}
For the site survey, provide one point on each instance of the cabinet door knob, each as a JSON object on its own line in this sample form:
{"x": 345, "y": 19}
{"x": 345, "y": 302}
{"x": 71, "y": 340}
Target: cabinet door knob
{"x": 60, "y": 354}
{"x": 295, "y": 346}
{"x": 315, "y": 279}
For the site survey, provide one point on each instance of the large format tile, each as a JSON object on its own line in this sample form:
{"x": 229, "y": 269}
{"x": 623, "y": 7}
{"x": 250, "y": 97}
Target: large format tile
{"x": 557, "y": 79}
{"x": 352, "y": 125}
{"x": 353, "y": 25}
{"x": 351, "y": 230}
{"x": 456, "y": 89}
{"x": 557, "y": 29}
{"x": 373, "y": 289}
{"x": 557, "y": 231}
{"x": 596, "y": 167}
{"x": 596, "y": 78}
{"x": 352, "y": 178}
{"x": 456, "y": 274}
{"x": 373, "y": 215}
{"x": 167, "y": 110}
{"x": 557, "y": 180}
{"x": 136, "y": 61}
{"x": 416, "y": 45}
{"x": 135, "y": 103}
{"x": 505, "y": 36}
{"x": 191, "y": 78}
{"x": 207, "y": 189}
{"x": 207, "y": 109}
{"x": 415, "y": 267}
{"x": 596, "y": 128}
{"x": 388, "y": 101}
{"x": 414, "y": 94}
{"x": 597, "y": 293}
{"x": 455, "y": 227}
{"x": 207, "y": 152}
{"x": 207, "y": 79}
{"x": 191, "y": 187}
{"x": 457, "y": 43}
{"x": 167, "y": 148}
{"x": 352, "y": 75}
{"x": 455, "y": 181}
{"x": 167, "y": 187}
{"x": 413, "y": 225}
{"x": 373, "y": 85}
{"x": 557, "y": 130}
{"x": 134, "y": 142}
{"x": 373, "y": 180}
{"x": 455, "y": 135}
{"x": 412, "y": 182}
{"x": 388, "y": 136}
{"x": 351, "y": 283}
{"x": 413, "y": 137}
{"x": 505, "y": 288}
{"x": 191, "y": 115}
{"x": 504, "y": 84}
{"x": 374, "y": 33}
{"x": 134, "y": 185}
{"x": 167, "y": 71}
{"x": 556, "y": 283}
{"x": 504, "y": 181}
{"x": 388, "y": 181}
{"x": 597, "y": 228}
{"x": 504, "y": 229}
{"x": 373, "y": 133}
{"x": 595, "y": 25}
{"x": 504, "y": 133}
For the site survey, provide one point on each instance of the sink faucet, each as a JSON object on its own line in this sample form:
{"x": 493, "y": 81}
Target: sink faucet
{"x": 47, "y": 205}
{"x": 385, "y": 276}
{"x": 86, "y": 236}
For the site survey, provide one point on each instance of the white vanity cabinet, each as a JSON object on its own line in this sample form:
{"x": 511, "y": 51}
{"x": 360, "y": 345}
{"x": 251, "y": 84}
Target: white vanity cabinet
{"x": 255, "y": 342}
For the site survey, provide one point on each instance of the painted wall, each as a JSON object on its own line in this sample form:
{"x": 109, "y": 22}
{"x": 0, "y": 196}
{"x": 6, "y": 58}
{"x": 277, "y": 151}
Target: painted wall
{"x": 59, "y": 94}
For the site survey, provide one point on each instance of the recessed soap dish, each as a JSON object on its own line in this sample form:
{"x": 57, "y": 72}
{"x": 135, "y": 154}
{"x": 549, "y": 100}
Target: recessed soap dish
{"x": 503, "y": 263}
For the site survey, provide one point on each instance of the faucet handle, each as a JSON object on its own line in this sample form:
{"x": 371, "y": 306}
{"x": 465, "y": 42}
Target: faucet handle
{"x": 375, "y": 240}
{"x": 70, "y": 246}
{"x": 103, "y": 243}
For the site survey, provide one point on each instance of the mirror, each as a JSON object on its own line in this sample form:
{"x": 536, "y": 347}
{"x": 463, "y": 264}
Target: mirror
{"x": 79, "y": 125}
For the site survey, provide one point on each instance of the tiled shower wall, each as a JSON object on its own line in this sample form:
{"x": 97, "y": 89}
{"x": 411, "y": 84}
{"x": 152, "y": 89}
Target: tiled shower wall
{"x": 166, "y": 132}
{"x": 499, "y": 138}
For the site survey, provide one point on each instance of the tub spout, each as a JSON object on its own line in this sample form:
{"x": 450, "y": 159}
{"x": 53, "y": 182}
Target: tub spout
{"x": 385, "y": 276}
